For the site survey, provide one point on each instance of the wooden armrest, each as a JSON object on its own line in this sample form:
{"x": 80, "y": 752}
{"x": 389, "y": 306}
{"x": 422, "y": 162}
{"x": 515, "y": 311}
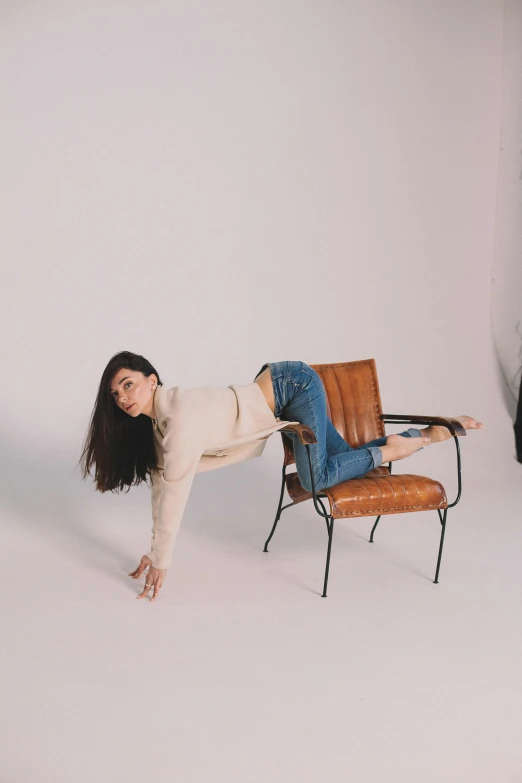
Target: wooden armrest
{"x": 304, "y": 433}
{"x": 454, "y": 426}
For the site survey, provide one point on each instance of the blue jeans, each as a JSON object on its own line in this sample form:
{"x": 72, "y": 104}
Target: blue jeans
{"x": 300, "y": 396}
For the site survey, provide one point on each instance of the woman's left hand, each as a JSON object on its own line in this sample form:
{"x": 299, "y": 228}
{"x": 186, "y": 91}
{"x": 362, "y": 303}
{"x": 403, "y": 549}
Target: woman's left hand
{"x": 153, "y": 577}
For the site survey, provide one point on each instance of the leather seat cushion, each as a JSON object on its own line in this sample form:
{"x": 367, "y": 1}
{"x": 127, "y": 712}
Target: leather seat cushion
{"x": 376, "y": 493}
{"x": 298, "y": 493}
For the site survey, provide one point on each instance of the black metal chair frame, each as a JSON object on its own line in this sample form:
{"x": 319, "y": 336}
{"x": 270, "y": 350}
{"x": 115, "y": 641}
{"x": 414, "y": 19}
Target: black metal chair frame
{"x": 318, "y": 497}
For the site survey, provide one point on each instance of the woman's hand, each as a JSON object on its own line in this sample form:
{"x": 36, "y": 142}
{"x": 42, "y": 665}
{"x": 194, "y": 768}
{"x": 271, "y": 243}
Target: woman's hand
{"x": 153, "y": 577}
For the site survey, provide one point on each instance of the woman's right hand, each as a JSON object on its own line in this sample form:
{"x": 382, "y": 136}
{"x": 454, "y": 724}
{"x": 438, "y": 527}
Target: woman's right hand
{"x": 153, "y": 579}
{"x": 145, "y": 562}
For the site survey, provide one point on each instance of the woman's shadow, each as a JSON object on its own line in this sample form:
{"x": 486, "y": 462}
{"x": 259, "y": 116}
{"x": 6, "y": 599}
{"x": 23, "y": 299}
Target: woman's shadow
{"x": 44, "y": 494}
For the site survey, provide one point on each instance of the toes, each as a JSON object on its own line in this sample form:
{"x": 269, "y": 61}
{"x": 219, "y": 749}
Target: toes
{"x": 469, "y": 423}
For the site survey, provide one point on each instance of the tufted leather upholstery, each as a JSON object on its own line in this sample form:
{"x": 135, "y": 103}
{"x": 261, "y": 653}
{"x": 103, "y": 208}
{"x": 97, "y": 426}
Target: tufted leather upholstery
{"x": 370, "y": 496}
{"x": 297, "y": 492}
{"x": 354, "y": 406}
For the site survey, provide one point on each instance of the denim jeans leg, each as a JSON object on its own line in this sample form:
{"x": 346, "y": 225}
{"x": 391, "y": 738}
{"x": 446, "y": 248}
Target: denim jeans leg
{"x": 300, "y": 396}
{"x": 373, "y": 445}
{"x": 412, "y": 432}
{"x": 335, "y": 443}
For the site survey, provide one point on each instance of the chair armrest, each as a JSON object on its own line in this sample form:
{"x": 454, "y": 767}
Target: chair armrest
{"x": 454, "y": 426}
{"x": 306, "y": 437}
{"x": 304, "y": 433}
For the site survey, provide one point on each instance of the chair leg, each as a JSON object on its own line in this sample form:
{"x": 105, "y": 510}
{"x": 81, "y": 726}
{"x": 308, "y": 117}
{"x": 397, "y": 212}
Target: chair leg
{"x": 278, "y": 513}
{"x": 373, "y": 529}
{"x": 326, "y": 517}
{"x": 330, "y": 534}
{"x": 443, "y": 522}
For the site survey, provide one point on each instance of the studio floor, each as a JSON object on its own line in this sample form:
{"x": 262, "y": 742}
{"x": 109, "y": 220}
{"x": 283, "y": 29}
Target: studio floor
{"x": 242, "y": 672}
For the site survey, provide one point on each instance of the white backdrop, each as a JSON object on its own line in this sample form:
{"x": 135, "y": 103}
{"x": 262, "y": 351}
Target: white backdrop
{"x": 507, "y": 268}
{"x": 218, "y": 185}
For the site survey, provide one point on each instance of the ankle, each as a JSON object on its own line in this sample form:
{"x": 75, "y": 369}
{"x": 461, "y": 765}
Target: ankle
{"x": 388, "y": 453}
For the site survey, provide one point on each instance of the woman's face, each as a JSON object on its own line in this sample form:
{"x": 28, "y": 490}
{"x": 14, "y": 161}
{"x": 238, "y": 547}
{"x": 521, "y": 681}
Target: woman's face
{"x": 132, "y": 388}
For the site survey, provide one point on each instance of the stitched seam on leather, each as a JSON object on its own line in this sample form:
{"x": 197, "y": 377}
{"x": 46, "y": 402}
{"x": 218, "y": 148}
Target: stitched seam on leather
{"x": 402, "y": 484}
{"x": 388, "y": 481}
{"x": 383, "y": 510}
{"x": 373, "y": 484}
{"x": 357, "y": 439}
{"x": 380, "y": 423}
{"x": 416, "y": 487}
{"x": 344, "y": 364}
{"x": 345, "y": 423}
{"x": 379, "y": 488}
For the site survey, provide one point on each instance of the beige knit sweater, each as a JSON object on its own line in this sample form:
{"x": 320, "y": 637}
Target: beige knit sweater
{"x": 197, "y": 430}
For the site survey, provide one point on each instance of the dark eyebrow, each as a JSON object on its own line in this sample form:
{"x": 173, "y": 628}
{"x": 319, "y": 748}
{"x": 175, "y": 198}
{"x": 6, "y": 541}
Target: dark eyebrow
{"x": 127, "y": 377}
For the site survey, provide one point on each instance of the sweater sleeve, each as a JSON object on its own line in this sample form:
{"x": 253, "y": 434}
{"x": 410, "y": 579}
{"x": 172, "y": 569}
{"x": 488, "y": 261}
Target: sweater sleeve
{"x": 155, "y": 494}
{"x": 170, "y": 491}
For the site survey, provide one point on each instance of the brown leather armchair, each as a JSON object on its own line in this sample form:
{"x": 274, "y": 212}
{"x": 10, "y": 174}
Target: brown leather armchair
{"x": 354, "y": 406}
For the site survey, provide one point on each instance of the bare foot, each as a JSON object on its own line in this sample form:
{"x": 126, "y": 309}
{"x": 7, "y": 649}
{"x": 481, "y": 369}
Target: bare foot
{"x": 399, "y": 447}
{"x": 437, "y": 433}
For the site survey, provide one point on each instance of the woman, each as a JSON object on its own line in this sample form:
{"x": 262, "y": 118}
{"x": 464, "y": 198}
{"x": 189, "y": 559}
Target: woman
{"x": 139, "y": 428}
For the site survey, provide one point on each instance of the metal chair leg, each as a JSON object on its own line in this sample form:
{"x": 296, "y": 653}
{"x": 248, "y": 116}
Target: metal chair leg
{"x": 443, "y": 522}
{"x": 373, "y": 529}
{"x": 326, "y": 517}
{"x": 278, "y": 512}
{"x": 330, "y": 534}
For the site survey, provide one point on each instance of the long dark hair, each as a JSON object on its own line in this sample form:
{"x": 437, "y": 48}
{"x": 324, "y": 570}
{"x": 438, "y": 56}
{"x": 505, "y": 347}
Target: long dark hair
{"x": 120, "y": 446}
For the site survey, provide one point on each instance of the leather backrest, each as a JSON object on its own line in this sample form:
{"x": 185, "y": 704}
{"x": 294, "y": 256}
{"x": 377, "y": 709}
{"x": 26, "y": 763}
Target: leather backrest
{"x": 353, "y": 402}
